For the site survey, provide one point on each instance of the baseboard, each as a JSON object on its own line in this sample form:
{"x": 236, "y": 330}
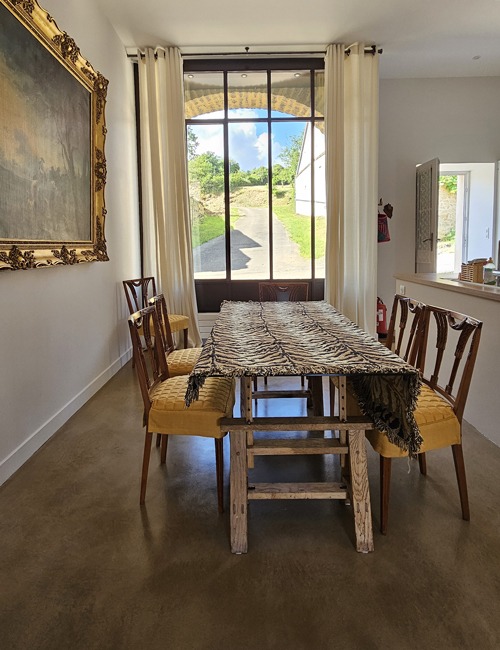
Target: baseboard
{"x": 17, "y": 458}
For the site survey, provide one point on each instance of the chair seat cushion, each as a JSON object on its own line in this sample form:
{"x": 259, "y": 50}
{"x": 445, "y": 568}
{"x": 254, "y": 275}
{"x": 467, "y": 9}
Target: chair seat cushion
{"x": 439, "y": 426}
{"x": 169, "y": 414}
{"x": 178, "y": 322}
{"x": 181, "y": 362}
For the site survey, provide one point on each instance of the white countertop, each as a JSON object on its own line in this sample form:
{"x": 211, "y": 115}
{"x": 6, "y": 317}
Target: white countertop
{"x": 486, "y": 291}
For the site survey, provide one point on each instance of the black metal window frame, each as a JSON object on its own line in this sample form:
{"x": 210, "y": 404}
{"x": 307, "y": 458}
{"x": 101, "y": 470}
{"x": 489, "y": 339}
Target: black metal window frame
{"x": 210, "y": 292}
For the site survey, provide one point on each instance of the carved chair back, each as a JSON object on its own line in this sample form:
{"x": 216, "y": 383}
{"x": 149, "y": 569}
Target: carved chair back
{"x": 283, "y": 291}
{"x": 451, "y": 342}
{"x": 138, "y": 292}
{"x": 406, "y": 329}
{"x": 149, "y": 357}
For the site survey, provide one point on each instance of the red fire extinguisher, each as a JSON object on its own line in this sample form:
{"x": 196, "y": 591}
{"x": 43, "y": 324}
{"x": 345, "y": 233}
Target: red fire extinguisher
{"x": 381, "y": 318}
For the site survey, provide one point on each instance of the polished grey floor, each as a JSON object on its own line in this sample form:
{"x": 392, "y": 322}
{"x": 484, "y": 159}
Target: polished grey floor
{"x": 82, "y": 566}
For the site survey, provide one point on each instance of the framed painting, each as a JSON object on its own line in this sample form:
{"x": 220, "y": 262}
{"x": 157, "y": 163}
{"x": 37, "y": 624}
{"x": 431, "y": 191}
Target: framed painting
{"x": 52, "y": 136}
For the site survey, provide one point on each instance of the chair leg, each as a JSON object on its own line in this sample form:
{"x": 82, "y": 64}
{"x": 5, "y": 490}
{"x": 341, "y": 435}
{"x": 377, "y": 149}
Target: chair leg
{"x": 458, "y": 459}
{"x": 145, "y": 465}
{"x": 385, "y": 489}
{"x": 219, "y": 469}
{"x": 422, "y": 463}
{"x": 158, "y": 439}
{"x": 164, "y": 446}
{"x": 185, "y": 338}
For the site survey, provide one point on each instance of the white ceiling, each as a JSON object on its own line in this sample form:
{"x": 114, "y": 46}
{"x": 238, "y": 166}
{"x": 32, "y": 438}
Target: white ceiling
{"x": 419, "y": 38}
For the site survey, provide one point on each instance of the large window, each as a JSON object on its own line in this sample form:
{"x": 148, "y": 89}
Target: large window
{"x": 255, "y": 134}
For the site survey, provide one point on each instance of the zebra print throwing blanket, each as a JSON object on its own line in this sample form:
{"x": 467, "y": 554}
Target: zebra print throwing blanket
{"x": 312, "y": 338}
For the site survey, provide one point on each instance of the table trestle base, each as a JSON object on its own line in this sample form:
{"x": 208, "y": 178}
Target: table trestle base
{"x": 263, "y": 491}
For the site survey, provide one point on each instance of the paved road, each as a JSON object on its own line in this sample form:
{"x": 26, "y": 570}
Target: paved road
{"x": 250, "y": 251}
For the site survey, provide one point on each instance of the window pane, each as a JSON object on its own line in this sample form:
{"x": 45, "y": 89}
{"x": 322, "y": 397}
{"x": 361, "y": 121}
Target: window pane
{"x": 319, "y": 200}
{"x": 247, "y": 94}
{"x": 204, "y": 95}
{"x": 319, "y": 93}
{"x": 206, "y": 192}
{"x": 249, "y": 200}
{"x": 291, "y": 93}
{"x": 291, "y": 200}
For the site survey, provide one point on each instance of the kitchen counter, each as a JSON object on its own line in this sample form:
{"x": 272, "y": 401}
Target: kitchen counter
{"x": 486, "y": 291}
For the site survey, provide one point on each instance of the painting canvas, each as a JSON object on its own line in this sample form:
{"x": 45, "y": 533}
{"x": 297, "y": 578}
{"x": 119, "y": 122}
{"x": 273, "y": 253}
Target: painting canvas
{"x": 52, "y": 130}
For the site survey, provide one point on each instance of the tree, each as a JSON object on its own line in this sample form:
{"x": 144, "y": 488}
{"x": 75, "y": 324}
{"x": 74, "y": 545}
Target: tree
{"x": 192, "y": 143}
{"x": 207, "y": 169}
{"x": 290, "y": 156}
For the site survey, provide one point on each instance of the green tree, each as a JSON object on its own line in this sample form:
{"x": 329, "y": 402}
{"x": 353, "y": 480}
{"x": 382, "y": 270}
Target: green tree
{"x": 207, "y": 169}
{"x": 290, "y": 156}
{"x": 192, "y": 143}
{"x": 449, "y": 183}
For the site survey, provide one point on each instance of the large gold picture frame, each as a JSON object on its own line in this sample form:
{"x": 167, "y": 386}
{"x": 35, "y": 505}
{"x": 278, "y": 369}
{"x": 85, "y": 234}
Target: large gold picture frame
{"x": 52, "y": 137}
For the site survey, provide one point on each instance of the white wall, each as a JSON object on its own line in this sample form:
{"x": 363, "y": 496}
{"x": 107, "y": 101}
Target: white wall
{"x": 63, "y": 329}
{"x": 455, "y": 120}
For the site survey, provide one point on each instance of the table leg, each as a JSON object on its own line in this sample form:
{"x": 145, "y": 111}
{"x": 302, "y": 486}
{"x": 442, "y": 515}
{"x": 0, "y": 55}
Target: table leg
{"x": 360, "y": 492}
{"x": 238, "y": 492}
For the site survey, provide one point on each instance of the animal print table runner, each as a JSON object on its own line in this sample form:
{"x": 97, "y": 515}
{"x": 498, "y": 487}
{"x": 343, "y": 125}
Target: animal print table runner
{"x": 312, "y": 338}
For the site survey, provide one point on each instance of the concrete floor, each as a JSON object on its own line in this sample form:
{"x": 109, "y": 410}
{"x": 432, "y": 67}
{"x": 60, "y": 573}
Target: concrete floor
{"x": 82, "y": 566}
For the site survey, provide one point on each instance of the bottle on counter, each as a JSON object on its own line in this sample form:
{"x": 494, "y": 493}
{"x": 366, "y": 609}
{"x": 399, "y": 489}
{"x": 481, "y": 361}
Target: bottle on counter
{"x": 488, "y": 277}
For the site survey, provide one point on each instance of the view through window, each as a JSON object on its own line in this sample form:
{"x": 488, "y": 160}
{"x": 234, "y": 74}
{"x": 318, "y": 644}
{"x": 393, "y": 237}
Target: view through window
{"x": 255, "y": 135}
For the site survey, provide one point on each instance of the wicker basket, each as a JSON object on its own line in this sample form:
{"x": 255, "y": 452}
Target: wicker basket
{"x": 472, "y": 271}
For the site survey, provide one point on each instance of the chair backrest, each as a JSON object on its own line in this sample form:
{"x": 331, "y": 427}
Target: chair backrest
{"x": 138, "y": 291}
{"x": 167, "y": 340}
{"x": 405, "y": 333}
{"x": 149, "y": 357}
{"x": 283, "y": 291}
{"x": 455, "y": 339}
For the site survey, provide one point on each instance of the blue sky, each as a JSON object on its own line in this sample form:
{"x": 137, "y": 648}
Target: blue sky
{"x": 248, "y": 141}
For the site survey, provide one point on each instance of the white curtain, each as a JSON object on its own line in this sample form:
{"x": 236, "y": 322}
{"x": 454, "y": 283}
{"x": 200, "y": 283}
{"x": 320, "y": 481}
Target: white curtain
{"x": 167, "y": 250}
{"x": 351, "y": 130}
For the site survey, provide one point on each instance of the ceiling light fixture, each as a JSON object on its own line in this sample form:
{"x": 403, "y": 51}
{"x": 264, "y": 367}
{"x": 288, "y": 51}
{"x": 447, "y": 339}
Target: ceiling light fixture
{"x": 244, "y": 76}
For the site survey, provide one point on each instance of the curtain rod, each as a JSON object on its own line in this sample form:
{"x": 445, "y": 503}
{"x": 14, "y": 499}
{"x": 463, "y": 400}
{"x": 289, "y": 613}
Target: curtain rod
{"x": 369, "y": 49}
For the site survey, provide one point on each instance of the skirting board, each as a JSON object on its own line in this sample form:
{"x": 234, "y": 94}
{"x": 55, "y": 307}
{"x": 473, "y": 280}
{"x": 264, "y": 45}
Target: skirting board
{"x": 17, "y": 458}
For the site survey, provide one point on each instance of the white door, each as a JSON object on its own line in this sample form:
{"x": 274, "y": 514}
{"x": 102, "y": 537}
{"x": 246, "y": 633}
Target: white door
{"x": 427, "y": 194}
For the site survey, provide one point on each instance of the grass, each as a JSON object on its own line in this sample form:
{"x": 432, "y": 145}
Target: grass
{"x": 298, "y": 228}
{"x": 210, "y": 226}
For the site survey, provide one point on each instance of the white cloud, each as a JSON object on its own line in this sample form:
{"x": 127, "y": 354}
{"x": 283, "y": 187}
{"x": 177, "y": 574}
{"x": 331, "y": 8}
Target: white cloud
{"x": 245, "y": 146}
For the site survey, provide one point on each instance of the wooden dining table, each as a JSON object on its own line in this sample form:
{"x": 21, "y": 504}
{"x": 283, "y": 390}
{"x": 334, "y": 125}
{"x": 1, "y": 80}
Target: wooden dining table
{"x": 265, "y": 339}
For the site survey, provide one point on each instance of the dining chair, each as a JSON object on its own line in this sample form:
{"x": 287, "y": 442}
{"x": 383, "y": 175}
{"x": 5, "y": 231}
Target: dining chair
{"x": 165, "y": 411}
{"x": 283, "y": 291}
{"x": 180, "y": 362}
{"x": 404, "y": 337}
{"x": 138, "y": 292}
{"x": 441, "y": 403}
{"x": 404, "y": 330}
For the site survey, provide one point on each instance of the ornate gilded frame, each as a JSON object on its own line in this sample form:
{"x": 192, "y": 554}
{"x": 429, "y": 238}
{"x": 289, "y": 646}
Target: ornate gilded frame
{"x": 90, "y": 177}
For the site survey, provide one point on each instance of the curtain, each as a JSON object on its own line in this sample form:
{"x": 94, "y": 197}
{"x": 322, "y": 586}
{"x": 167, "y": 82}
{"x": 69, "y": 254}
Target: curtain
{"x": 351, "y": 133}
{"x": 167, "y": 250}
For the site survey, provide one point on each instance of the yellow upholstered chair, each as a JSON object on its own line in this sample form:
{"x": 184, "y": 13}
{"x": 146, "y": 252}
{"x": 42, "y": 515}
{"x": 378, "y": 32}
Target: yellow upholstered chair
{"x": 441, "y": 404}
{"x": 138, "y": 292}
{"x": 404, "y": 338}
{"x": 165, "y": 412}
{"x": 180, "y": 362}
